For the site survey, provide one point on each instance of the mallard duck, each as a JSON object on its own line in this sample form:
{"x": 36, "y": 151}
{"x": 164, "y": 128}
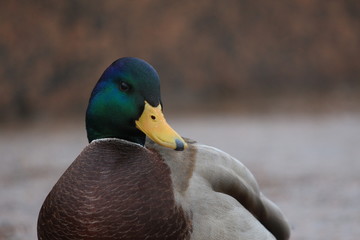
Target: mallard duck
{"x": 139, "y": 179}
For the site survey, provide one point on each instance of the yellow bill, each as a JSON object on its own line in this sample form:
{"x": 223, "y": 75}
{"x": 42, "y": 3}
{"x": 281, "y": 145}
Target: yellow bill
{"x": 152, "y": 122}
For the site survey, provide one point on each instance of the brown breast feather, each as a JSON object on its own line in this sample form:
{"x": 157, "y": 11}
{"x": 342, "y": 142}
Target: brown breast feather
{"x": 114, "y": 190}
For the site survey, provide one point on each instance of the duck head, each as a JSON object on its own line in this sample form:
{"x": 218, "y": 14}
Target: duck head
{"x": 126, "y": 104}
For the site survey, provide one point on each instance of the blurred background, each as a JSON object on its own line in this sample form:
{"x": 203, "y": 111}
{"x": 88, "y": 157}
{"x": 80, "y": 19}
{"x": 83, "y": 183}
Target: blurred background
{"x": 275, "y": 84}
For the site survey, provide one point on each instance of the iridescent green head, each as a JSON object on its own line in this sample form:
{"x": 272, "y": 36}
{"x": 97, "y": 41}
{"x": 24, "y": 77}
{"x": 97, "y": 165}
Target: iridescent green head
{"x": 126, "y": 104}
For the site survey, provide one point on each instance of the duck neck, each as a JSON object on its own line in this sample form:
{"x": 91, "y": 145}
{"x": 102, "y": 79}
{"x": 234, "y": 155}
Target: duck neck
{"x": 99, "y": 130}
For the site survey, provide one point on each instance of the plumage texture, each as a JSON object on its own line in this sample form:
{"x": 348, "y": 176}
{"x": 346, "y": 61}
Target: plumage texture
{"x": 105, "y": 194}
{"x": 222, "y": 195}
{"x": 201, "y": 193}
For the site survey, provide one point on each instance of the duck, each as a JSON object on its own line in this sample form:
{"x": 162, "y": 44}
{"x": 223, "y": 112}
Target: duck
{"x": 139, "y": 179}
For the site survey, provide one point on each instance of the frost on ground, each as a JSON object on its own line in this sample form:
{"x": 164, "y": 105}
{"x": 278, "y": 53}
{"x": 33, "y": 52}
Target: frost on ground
{"x": 308, "y": 165}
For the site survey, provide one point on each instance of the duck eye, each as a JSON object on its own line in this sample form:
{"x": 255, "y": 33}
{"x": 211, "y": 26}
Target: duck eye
{"x": 124, "y": 86}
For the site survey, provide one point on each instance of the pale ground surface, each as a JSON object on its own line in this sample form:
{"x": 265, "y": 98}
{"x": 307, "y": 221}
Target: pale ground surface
{"x": 308, "y": 165}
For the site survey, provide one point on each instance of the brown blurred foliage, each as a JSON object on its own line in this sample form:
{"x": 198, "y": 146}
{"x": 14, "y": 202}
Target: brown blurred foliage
{"x": 53, "y": 52}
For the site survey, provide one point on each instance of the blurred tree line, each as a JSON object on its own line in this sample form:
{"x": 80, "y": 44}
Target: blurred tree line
{"x": 206, "y": 52}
